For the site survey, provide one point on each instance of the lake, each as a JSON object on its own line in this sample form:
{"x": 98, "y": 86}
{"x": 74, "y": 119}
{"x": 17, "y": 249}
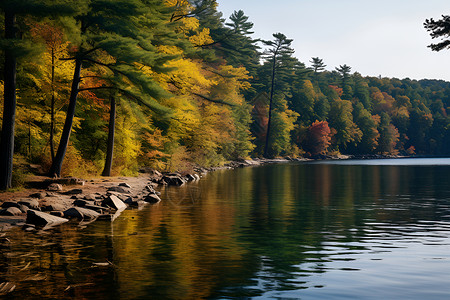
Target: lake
{"x": 367, "y": 229}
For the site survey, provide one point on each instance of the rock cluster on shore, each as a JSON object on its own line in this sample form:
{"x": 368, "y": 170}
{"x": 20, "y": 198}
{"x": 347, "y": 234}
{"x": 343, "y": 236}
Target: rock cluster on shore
{"x": 60, "y": 200}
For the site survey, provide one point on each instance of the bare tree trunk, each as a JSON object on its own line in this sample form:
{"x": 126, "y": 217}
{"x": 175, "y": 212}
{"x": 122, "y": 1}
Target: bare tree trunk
{"x": 56, "y": 167}
{"x": 111, "y": 132}
{"x": 9, "y": 112}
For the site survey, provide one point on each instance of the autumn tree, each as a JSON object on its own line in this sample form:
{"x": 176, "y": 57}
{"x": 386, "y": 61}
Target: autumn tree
{"x": 318, "y": 138}
{"x": 121, "y": 29}
{"x": 14, "y": 47}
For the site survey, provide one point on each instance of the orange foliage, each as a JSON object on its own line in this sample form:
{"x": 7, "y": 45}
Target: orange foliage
{"x": 319, "y": 137}
{"x": 338, "y": 90}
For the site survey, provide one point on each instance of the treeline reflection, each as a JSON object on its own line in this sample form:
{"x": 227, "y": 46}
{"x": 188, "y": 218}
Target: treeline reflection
{"x": 235, "y": 233}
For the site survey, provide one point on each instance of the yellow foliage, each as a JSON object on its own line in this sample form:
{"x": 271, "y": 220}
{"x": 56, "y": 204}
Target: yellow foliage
{"x": 202, "y": 38}
{"x": 127, "y": 145}
{"x": 188, "y": 76}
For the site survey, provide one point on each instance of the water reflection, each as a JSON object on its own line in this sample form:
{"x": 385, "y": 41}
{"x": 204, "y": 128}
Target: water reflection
{"x": 281, "y": 231}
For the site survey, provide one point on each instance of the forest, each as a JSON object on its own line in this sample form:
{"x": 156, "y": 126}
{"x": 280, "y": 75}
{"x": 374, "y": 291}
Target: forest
{"x": 106, "y": 87}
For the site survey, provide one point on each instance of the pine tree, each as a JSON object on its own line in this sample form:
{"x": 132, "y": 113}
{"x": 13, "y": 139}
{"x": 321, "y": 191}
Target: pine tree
{"x": 317, "y": 64}
{"x": 439, "y": 29}
{"x": 129, "y": 32}
{"x": 344, "y": 71}
{"x": 279, "y": 57}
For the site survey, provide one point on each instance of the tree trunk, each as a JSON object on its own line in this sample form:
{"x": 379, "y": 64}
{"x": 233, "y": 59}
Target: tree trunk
{"x": 56, "y": 167}
{"x": 266, "y": 147}
{"x": 9, "y": 112}
{"x": 52, "y": 109}
{"x": 110, "y": 149}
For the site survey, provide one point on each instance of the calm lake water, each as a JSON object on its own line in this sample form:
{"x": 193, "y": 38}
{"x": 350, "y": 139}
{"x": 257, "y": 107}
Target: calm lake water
{"x": 371, "y": 229}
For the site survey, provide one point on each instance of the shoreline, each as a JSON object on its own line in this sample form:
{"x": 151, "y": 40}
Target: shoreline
{"x": 46, "y": 202}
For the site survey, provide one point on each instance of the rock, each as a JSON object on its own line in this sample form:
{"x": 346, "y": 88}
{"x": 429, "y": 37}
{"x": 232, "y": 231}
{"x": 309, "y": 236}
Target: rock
{"x": 38, "y": 195}
{"x": 172, "y": 179}
{"x": 74, "y": 192}
{"x": 150, "y": 188}
{"x": 23, "y": 208}
{"x": 81, "y": 213}
{"x": 83, "y": 203}
{"x": 54, "y": 187}
{"x": 66, "y": 181}
{"x": 31, "y": 203}
{"x": 54, "y": 207}
{"x": 118, "y": 189}
{"x": 97, "y": 208}
{"x": 135, "y": 203}
{"x": 41, "y": 219}
{"x": 124, "y": 184}
{"x": 151, "y": 198}
{"x": 118, "y": 195}
{"x": 10, "y": 211}
{"x": 114, "y": 202}
{"x": 90, "y": 197}
{"x": 57, "y": 213}
{"x": 10, "y": 204}
{"x": 197, "y": 177}
{"x": 190, "y": 177}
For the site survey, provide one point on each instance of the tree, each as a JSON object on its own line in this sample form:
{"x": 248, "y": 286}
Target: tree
{"x": 344, "y": 71}
{"x": 341, "y": 119}
{"x": 318, "y": 138}
{"x": 122, "y": 30}
{"x": 279, "y": 55}
{"x": 13, "y": 48}
{"x": 317, "y": 64}
{"x": 439, "y": 29}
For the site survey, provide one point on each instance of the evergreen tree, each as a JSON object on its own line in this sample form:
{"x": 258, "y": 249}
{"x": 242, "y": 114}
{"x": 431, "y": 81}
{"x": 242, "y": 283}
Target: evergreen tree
{"x": 279, "y": 58}
{"x": 125, "y": 30}
{"x": 344, "y": 71}
{"x": 317, "y": 65}
{"x": 439, "y": 29}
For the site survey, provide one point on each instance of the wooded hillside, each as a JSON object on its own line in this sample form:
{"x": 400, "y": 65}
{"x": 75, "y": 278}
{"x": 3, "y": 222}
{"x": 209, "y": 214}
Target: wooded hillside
{"x": 109, "y": 86}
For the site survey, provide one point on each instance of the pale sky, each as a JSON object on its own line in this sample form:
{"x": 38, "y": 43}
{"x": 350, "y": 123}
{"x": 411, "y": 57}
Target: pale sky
{"x": 384, "y": 37}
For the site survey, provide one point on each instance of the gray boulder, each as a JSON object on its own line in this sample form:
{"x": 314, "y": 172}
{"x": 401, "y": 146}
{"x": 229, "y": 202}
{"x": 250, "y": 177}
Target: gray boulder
{"x": 54, "y": 207}
{"x": 10, "y": 204}
{"x": 90, "y": 197}
{"x": 23, "y": 208}
{"x": 74, "y": 192}
{"x": 81, "y": 213}
{"x": 135, "y": 203}
{"x": 42, "y": 219}
{"x": 119, "y": 189}
{"x": 114, "y": 202}
{"x": 173, "y": 179}
{"x": 55, "y": 187}
{"x": 10, "y": 211}
{"x": 97, "y": 208}
{"x": 39, "y": 195}
{"x": 124, "y": 184}
{"x": 31, "y": 203}
{"x": 151, "y": 198}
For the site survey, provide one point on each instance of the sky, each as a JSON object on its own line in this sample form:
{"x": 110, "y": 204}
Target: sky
{"x": 376, "y": 38}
